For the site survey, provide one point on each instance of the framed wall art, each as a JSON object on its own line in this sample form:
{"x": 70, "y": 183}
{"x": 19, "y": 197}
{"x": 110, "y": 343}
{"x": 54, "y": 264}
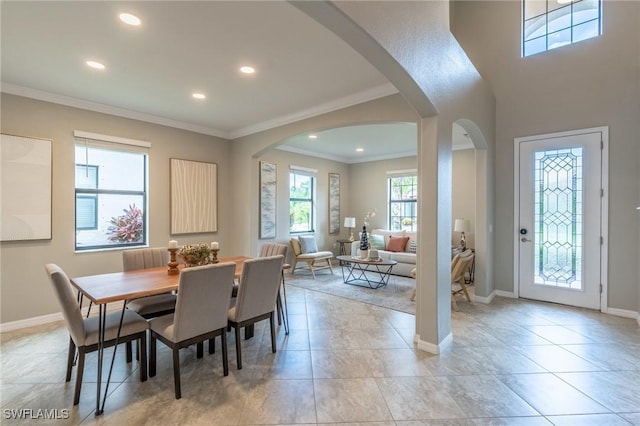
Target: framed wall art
{"x": 268, "y": 200}
{"x": 334, "y": 203}
{"x": 194, "y": 197}
{"x": 25, "y": 182}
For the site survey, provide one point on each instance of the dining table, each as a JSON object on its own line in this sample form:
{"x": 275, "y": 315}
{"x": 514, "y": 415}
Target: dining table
{"x": 102, "y": 289}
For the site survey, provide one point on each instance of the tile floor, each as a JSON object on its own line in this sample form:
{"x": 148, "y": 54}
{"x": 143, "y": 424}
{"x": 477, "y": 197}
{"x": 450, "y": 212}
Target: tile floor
{"x": 511, "y": 363}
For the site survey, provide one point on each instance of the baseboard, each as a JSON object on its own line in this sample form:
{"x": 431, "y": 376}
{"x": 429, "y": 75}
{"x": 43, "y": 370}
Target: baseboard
{"x": 430, "y": 347}
{"x": 46, "y": 319}
{"x": 485, "y": 300}
{"x": 623, "y": 313}
{"x": 503, "y": 293}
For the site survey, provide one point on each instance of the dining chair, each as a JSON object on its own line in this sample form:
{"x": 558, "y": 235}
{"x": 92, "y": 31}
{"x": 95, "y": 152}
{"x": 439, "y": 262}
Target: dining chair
{"x": 84, "y": 331}
{"x": 274, "y": 249}
{"x": 204, "y": 295}
{"x": 256, "y": 298}
{"x": 459, "y": 267}
{"x": 149, "y": 306}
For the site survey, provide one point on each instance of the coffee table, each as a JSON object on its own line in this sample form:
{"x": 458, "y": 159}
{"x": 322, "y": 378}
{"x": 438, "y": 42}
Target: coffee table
{"x": 374, "y": 273}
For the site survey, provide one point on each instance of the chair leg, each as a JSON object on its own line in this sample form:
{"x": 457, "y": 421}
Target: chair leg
{"x": 129, "y": 351}
{"x": 464, "y": 289}
{"x": 176, "y": 372}
{"x": 273, "y": 333}
{"x": 330, "y": 265}
{"x": 142, "y": 362}
{"x": 279, "y": 308}
{"x": 70, "y": 358}
{"x": 152, "y": 356}
{"x": 313, "y": 272}
{"x": 212, "y": 345}
{"x": 238, "y": 349}
{"x": 225, "y": 358}
{"x": 79, "y": 373}
{"x": 199, "y": 349}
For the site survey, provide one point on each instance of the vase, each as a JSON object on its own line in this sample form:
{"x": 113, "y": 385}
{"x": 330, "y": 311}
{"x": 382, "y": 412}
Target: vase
{"x": 364, "y": 254}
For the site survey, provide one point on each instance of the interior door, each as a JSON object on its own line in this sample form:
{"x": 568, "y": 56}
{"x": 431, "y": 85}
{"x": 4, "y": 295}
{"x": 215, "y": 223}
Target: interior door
{"x": 559, "y": 223}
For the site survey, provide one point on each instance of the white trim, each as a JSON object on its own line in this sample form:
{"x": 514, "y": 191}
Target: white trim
{"x": 430, "y": 347}
{"x": 485, "y": 300}
{"x": 604, "y": 204}
{"x": 386, "y": 89}
{"x": 113, "y": 139}
{"x": 46, "y": 319}
{"x": 346, "y": 160}
{"x": 406, "y": 172}
{"x": 303, "y": 169}
{"x": 623, "y": 313}
{"x": 509, "y": 294}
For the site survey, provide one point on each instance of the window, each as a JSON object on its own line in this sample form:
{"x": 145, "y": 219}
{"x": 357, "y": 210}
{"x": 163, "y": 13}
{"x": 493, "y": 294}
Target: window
{"x": 301, "y": 202}
{"x": 403, "y": 195}
{"x": 110, "y": 194}
{"x": 549, "y": 24}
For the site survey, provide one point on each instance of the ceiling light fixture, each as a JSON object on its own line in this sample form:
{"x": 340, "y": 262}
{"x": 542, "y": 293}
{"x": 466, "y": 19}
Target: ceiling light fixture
{"x": 359, "y": 149}
{"x": 199, "y": 95}
{"x": 564, "y": 1}
{"x": 313, "y": 136}
{"x": 247, "y": 70}
{"x": 96, "y": 65}
{"x": 130, "y": 19}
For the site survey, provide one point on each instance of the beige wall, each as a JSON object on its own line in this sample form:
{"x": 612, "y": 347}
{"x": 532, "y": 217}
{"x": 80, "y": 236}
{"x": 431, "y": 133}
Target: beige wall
{"x": 592, "y": 83}
{"x": 25, "y": 289}
{"x": 463, "y": 197}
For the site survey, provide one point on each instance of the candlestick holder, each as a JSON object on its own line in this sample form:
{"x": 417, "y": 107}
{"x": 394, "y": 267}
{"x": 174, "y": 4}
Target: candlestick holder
{"x": 214, "y": 255}
{"x": 172, "y": 265}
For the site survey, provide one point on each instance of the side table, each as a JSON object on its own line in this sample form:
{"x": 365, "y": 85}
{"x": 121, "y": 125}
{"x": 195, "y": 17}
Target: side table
{"x": 342, "y": 251}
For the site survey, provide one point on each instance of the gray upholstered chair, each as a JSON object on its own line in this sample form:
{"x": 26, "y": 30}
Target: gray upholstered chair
{"x": 84, "y": 331}
{"x": 150, "y": 306}
{"x": 256, "y": 298}
{"x": 274, "y": 249}
{"x": 204, "y": 295}
{"x": 459, "y": 267}
{"x": 314, "y": 259}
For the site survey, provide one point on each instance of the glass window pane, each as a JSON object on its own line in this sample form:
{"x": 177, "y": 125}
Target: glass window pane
{"x": 535, "y": 28}
{"x": 534, "y": 8}
{"x": 116, "y": 170}
{"x": 300, "y": 216}
{"x": 586, "y": 31}
{"x": 585, "y": 10}
{"x": 86, "y": 212}
{"x": 535, "y": 46}
{"x": 559, "y": 19}
{"x": 120, "y": 220}
{"x": 86, "y": 176}
{"x": 559, "y": 39}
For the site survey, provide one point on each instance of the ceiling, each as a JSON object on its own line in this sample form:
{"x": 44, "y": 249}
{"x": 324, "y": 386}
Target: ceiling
{"x": 180, "y": 48}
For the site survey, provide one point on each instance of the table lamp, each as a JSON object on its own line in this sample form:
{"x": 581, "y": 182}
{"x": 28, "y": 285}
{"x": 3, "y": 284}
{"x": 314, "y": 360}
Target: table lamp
{"x": 462, "y": 226}
{"x": 350, "y": 222}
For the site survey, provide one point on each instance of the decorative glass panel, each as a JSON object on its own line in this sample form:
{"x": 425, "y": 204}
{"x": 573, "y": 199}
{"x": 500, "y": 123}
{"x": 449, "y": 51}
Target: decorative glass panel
{"x": 558, "y": 218}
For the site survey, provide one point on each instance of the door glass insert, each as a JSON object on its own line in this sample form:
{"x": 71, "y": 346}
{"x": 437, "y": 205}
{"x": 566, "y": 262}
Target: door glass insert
{"x": 558, "y": 218}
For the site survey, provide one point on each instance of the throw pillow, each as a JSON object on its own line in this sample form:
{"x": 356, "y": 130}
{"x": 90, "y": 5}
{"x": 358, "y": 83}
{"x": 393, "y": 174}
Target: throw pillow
{"x": 413, "y": 246}
{"x": 308, "y": 244}
{"x": 376, "y": 242}
{"x": 397, "y": 244}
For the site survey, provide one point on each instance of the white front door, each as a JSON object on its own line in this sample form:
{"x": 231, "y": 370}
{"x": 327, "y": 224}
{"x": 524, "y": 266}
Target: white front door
{"x": 559, "y": 217}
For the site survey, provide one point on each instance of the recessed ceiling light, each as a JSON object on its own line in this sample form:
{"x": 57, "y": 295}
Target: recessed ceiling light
{"x": 247, "y": 70}
{"x": 199, "y": 95}
{"x": 359, "y": 149}
{"x": 313, "y": 136}
{"x": 96, "y": 65}
{"x": 130, "y": 19}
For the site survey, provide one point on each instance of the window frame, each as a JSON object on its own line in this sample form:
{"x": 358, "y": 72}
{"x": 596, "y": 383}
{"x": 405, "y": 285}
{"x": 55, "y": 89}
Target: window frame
{"x": 96, "y": 192}
{"x": 414, "y": 202}
{"x": 573, "y": 8}
{"x": 311, "y": 200}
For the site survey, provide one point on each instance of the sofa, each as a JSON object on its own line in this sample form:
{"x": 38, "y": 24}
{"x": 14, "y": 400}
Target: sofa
{"x": 400, "y": 246}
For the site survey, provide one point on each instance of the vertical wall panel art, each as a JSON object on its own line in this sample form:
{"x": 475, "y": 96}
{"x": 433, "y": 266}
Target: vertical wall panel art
{"x": 267, "y": 200}
{"x": 334, "y": 203}
{"x": 194, "y": 197}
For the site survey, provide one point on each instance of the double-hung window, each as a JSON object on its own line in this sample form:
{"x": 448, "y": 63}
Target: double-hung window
{"x": 301, "y": 202}
{"x": 403, "y": 205}
{"x": 110, "y": 192}
{"x": 549, "y": 24}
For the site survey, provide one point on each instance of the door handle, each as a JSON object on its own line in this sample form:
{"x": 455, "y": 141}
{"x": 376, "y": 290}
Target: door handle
{"x": 525, "y": 240}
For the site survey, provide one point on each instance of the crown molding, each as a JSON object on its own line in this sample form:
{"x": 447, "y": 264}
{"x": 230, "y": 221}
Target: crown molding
{"x": 346, "y": 160}
{"x": 344, "y": 102}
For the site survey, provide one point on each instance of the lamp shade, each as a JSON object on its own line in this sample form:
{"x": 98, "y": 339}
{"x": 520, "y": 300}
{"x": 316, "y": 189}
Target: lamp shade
{"x": 349, "y": 222}
{"x": 461, "y": 225}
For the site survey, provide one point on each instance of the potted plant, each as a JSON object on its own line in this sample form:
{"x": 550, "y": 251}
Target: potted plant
{"x": 127, "y": 228}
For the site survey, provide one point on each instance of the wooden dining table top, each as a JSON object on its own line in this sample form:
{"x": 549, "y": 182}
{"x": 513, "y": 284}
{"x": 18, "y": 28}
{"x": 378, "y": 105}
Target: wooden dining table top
{"x": 118, "y": 286}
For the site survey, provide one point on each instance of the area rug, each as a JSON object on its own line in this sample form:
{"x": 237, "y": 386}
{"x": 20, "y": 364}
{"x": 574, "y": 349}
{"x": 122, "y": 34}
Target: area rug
{"x": 394, "y": 295}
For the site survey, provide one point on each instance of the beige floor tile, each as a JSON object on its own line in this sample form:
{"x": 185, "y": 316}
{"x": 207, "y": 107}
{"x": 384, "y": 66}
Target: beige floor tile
{"x": 279, "y": 402}
{"x": 349, "y": 400}
{"x": 619, "y": 391}
{"x": 589, "y": 420}
{"x": 556, "y": 359}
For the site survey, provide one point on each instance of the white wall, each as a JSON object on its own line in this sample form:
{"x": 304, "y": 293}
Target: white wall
{"x": 592, "y": 83}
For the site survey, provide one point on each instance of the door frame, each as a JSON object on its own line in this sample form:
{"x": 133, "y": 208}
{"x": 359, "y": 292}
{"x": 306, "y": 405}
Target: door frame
{"x": 604, "y": 206}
